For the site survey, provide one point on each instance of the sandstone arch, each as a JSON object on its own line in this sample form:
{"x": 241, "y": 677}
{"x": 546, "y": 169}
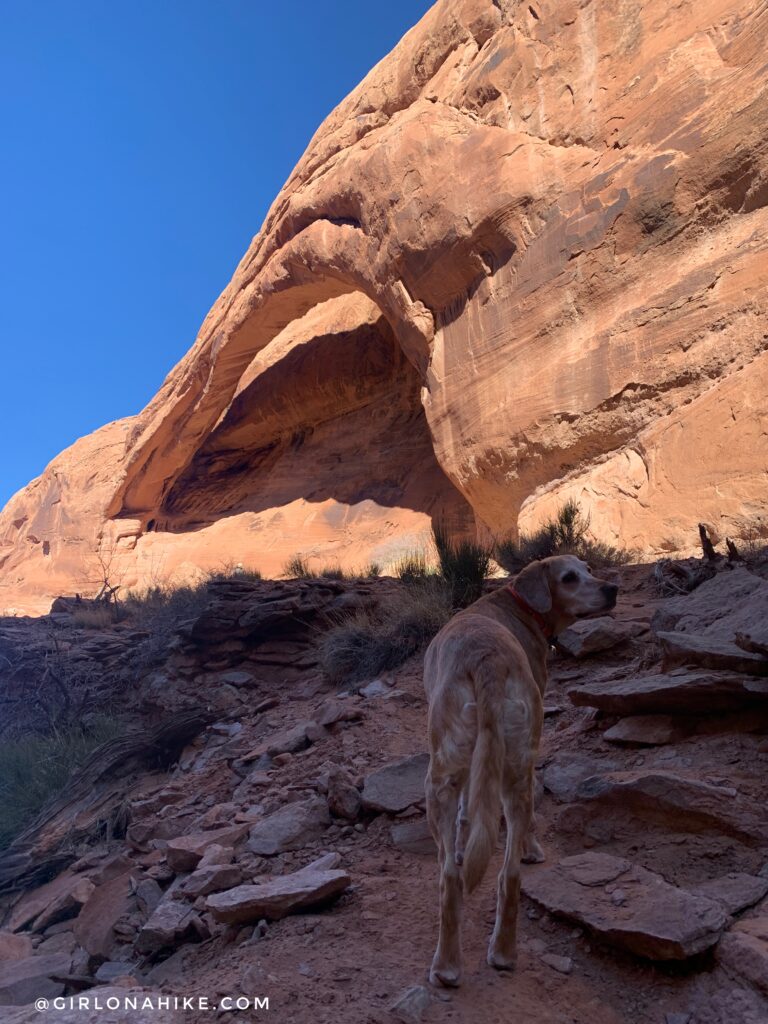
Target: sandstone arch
{"x": 562, "y": 217}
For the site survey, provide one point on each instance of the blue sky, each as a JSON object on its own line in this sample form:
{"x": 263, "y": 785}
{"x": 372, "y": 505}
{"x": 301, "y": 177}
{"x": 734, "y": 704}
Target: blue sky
{"x": 143, "y": 142}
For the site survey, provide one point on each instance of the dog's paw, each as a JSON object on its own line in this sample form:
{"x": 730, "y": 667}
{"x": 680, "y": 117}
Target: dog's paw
{"x": 445, "y": 976}
{"x": 501, "y": 961}
{"x": 533, "y": 852}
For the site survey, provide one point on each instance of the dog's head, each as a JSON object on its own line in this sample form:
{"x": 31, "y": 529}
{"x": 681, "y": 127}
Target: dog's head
{"x": 562, "y": 589}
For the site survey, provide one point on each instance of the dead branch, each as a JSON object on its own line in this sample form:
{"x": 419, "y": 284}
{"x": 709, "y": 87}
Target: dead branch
{"x": 734, "y": 554}
{"x": 706, "y": 544}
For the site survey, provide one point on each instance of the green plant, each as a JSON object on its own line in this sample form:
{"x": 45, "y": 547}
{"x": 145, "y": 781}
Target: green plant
{"x": 297, "y": 568}
{"x": 464, "y": 565}
{"x": 34, "y": 769}
{"x": 360, "y": 646}
{"x": 566, "y": 534}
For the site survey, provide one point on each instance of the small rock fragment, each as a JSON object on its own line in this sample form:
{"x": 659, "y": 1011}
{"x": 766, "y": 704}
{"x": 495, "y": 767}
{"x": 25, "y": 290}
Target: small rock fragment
{"x": 411, "y": 1005}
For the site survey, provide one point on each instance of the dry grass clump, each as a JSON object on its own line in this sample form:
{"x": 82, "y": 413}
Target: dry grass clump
{"x": 236, "y": 571}
{"x": 361, "y": 646}
{"x": 752, "y": 543}
{"x": 566, "y": 534}
{"x": 412, "y": 567}
{"x": 297, "y": 568}
{"x": 95, "y": 616}
{"x": 332, "y": 572}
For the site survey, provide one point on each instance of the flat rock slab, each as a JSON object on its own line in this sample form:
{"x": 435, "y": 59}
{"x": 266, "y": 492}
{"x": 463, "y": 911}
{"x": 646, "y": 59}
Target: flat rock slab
{"x": 66, "y": 905}
{"x": 112, "y": 901}
{"x": 184, "y": 853}
{"x": 744, "y": 950}
{"x": 396, "y": 786}
{"x": 756, "y": 641}
{"x": 730, "y": 603}
{"x": 111, "y": 970}
{"x": 332, "y": 711}
{"x": 565, "y": 772}
{"x": 644, "y": 731}
{"x": 22, "y": 981}
{"x": 171, "y": 923}
{"x": 298, "y": 737}
{"x": 35, "y": 903}
{"x": 709, "y": 652}
{"x": 628, "y": 906}
{"x": 681, "y": 802}
{"x": 14, "y": 947}
{"x": 290, "y": 828}
{"x": 735, "y": 891}
{"x": 675, "y": 692}
{"x": 213, "y": 878}
{"x": 277, "y": 897}
{"x": 414, "y": 837}
{"x": 135, "y": 1006}
{"x": 589, "y": 636}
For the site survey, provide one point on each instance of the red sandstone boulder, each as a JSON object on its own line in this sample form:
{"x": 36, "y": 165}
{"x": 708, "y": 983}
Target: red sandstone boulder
{"x": 626, "y": 905}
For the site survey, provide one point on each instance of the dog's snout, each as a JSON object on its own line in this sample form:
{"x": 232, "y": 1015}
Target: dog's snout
{"x": 610, "y": 591}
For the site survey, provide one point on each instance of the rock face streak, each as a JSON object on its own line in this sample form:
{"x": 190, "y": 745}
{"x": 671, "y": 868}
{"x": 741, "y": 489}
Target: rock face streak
{"x": 524, "y": 260}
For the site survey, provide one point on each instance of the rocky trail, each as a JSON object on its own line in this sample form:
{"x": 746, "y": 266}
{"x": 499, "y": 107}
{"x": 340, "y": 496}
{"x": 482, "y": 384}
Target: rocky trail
{"x": 277, "y": 845}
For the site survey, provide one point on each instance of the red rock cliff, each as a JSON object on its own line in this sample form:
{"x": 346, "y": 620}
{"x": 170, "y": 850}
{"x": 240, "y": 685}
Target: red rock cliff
{"x": 525, "y": 259}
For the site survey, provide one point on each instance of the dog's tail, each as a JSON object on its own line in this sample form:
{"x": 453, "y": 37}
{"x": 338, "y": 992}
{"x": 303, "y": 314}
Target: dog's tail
{"x": 485, "y": 774}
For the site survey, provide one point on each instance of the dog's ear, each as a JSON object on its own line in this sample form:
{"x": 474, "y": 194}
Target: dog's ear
{"x": 532, "y": 584}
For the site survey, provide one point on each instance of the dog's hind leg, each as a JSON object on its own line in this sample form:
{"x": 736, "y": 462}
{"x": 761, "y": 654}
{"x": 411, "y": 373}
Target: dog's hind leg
{"x": 517, "y": 801}
{"x": 442, "y": 810}
{"x": 462, "y": 828}
{"x": 533, "y": 852}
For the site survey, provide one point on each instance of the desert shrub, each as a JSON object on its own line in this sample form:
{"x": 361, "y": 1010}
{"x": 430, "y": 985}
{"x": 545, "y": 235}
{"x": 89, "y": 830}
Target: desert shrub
{"x": 297, "y": 568}
{"x": 332, "y": 572}
{"x": 360, "y": 646}
{"x": 234, "y": 571}
{"x": 165, "y": 605}
{"x": 34, "y": 769}
{"x": 604, "y": 556}
{"x": 566, "y": 534}
{"x": 43, "y": 688}
{"x": 372, "y": 571}
{"x": 752, "y": 543}
{"x": 160, "y": 610}
{"x": 464, "y": 565}
{"x": 413, "y": 567}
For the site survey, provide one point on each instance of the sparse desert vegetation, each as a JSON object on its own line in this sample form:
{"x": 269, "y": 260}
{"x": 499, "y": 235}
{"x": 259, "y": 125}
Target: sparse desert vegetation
{"x": 565, "y": 534}
{"x": 36, "y": 768}
{"x": 413, "y": 566}
{"x": 360, "y": 646}
{"x": 464, "y": 565}
{"x": 297, "y": 568}
{"x": 332, "y": 572}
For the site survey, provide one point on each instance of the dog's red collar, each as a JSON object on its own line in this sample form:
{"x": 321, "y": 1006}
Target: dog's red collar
{"x": 537, "y": 617}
